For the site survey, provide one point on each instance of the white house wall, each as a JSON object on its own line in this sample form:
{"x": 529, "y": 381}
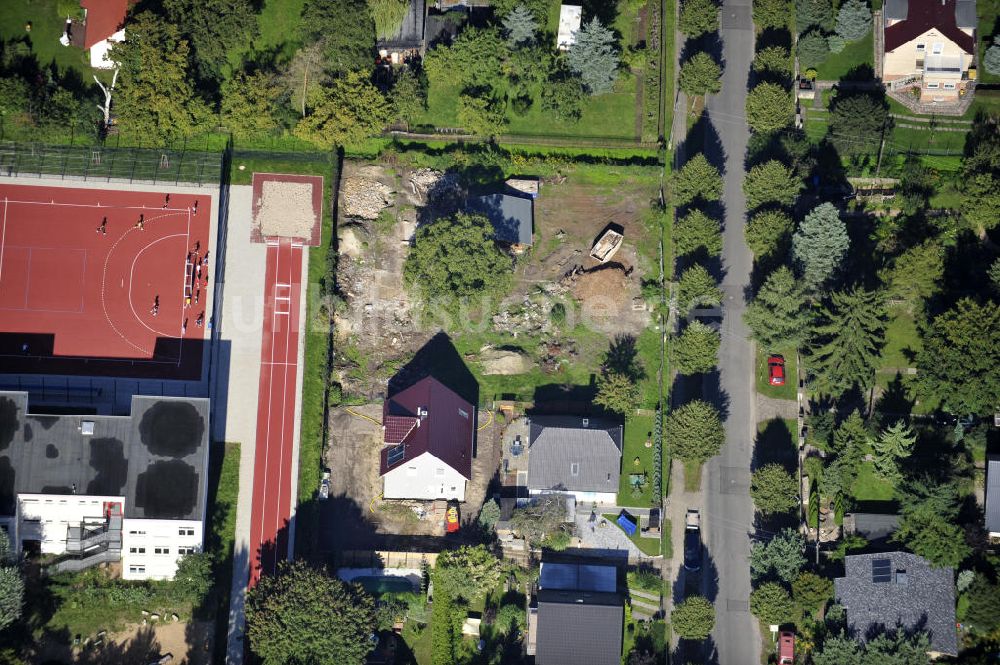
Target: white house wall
{"x": 151, "y": 548}
{"x": 427, "y": 478}
{"x": 99, "y": 51}
{"x": 600, "y": 498}
{"x": 46, "y": 517}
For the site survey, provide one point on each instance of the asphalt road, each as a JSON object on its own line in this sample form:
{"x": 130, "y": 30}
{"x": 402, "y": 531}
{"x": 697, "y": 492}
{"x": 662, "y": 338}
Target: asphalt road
{"x": 728, "y": 518}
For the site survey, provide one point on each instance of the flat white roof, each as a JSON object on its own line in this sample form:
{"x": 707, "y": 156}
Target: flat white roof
{"x": 570, "y": 17}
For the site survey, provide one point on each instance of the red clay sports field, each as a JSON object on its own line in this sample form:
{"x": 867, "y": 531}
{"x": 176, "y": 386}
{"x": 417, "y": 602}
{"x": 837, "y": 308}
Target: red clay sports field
{"x": 100, "y": 280}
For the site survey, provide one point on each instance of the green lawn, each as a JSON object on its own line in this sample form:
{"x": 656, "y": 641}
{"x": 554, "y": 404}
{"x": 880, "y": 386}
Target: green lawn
{"x": 46, "y": 28}
{"x": 648, "y": 546}
{"x": 692, "y": 476}
{"x": 870, "y": 487}
{"x": 838, "y": 65}
{"x": 605, "y": 116}
{"x": 637, "y": 431}
{"x": 901, "y": 339}
{"x": 279, "y": 26}
{"x": 787, "y": 391}
{"x": 223, "y": 494}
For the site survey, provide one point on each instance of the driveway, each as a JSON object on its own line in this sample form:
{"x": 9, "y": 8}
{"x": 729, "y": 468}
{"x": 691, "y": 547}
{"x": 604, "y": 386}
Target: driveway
{"x": 728, "y": 519}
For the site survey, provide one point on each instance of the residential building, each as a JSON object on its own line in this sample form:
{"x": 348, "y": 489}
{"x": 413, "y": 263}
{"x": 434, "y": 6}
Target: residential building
{"x": 929, "y": 45}
{"x": 898, "y": 589}
{"x": 579, "y": 615}
{"x": 577, "y": 456}
{"x": 511, "y": 214}
{"x": 570, "y": 17}
{"x": 428, "y": 435}
{"x": 92, "y": 489}
{"x": 993, "y": 496}
{"x": 103, "y": 26}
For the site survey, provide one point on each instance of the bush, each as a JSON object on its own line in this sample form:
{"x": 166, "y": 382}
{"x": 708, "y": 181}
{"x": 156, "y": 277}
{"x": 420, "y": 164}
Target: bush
{"x": 771, "y": 604}
{"x": 511, "y": 619}
{"x": 854, "y": 20}
{"x": 992, "y": 59}
{"x": 836, "y": 43}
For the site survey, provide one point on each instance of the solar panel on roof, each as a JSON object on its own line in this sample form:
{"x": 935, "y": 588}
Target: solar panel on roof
{"x": 881, "y": 570}
{"x": 396, "y": 455}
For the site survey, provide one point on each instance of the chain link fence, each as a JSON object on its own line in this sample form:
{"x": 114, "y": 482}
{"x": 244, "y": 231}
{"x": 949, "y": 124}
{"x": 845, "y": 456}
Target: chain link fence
{"x": 105, "y": 164}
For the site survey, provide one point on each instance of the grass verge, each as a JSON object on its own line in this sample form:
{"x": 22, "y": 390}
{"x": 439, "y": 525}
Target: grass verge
{"x": 692, "y": 476}
{"x": 223, "y": 494}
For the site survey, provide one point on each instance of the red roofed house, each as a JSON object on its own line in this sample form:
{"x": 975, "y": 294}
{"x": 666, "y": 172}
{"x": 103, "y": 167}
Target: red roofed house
{"x": 103, "y": 21}
{"x": 428, "y": 433}
{"x": 930, "y": 43}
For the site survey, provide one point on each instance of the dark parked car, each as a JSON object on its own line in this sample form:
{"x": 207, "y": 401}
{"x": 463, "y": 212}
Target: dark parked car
{"x": 692, "y": 540}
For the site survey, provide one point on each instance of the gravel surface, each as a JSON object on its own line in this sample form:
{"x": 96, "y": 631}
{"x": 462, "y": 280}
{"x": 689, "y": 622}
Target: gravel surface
{"x": 285, "y": 209}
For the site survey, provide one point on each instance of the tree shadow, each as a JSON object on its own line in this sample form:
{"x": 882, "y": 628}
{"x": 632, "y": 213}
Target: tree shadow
{"x": 894, "y": 402}
{"x": 440, "y": 359}
{"x": 622, "y": 358}
{"x": 775, "y": 444}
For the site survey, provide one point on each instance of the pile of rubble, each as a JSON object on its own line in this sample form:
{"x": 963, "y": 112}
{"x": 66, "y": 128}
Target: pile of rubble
{"x": 429, "y": 186}
{"x": 363, "y": 197}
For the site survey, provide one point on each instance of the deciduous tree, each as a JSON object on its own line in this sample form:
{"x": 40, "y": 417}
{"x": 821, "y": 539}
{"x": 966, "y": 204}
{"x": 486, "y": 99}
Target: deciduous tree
{"x": 959, "y": 362}
{"x": 696, "y": 180}
{"x": 700, "y": 75}
{"x": 774, "y": 490}
{"x": 916, "y": 274}
{"x": 697, "y": 288}
{"x": 249, "y": 104}
{"x": 777, "y": 316}
{"x": 409, "y": 95}
{"x": 346, "y": 29}
{"x": 303, "y": 615}
{"x": 698, "y": 17}
{"x": 594, "y": 56}
{"x": 696, "y": 231}
{"x": 820, "y": 245}
{"x": 771, "y": 182}
{"x": 846, "y": 347}
{"x": 467, "y": 572}
{"x": 694, "y": 431}
{"x": 481, "y": 112}
{"x": 771, "y": 13}
{"x": 474, "y": 60}
{"x": 537, "y": 522}
{"x": 981, "y": 178}
{"x": 696, "y": 350}
{"x": 854, "y": 20}
{"x": 618, "y": 393}
{"x": 769, "y": 233}
{"x": 563, "y": 96}
{"x": 348, "y": 110}
{"x": 154, "y": 96}
{"x": 811, "y": 591}
{"x": 456, "y": 258}
{"x": 693, "y": 618}
{"x": 773, "y": 60}
{"x": 215, "y": 28}
{"x": 858, "y": 122}
{"x": 771, "y": 604}
{"x": 769, "y": 107}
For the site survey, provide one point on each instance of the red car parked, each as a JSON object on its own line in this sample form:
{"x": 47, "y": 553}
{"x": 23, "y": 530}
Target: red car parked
{"x": 786, "y": 648}
{"x": 776, "y": 370}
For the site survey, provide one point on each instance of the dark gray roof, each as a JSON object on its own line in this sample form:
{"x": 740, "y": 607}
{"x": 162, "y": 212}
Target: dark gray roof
{"x": 578, "y": 577}
{"x": 875, "y": 526}
{"x": 993, "y": 494}
{"x": 157, "y": 458}
{"x": 512, "y": 216}
{"x": 411, "y": 32}
{"x": 965, "y": 14}
{"x": 922, "y": 598}
{"x": 561, "y": 445}
{"x": 896, "y": 10}
{"x": 579, "y": 628}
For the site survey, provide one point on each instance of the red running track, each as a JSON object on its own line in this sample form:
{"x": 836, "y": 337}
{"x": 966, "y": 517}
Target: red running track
{"x": 273, "y": 463}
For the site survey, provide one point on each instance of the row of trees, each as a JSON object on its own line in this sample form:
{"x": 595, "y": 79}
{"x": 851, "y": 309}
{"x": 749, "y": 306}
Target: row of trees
{"x": 822, "y": 28}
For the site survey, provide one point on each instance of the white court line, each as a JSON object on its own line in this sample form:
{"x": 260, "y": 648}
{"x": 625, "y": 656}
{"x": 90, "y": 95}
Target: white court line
{"x": 284, "y": 399}
{"x": 131, "y": 282}
{"x": 98, "y": 205}
{"x": 267, "y": 434}
{"x": 187, "y": 245}
{"x": 3, "y": 238}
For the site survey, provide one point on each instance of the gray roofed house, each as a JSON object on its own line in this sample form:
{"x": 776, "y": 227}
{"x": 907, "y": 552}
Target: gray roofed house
{"x": 993, "y": 496}
{"x": 579, "y": 628}
{"x": 157, "y": 458}
{"x": 883, "y": 591}
{"x": 578, "y": 456}
{"x": 512, "y": 217}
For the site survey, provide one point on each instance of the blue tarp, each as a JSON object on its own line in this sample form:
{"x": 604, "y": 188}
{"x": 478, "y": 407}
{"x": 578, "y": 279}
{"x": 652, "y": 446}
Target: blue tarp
{"x": 627, "y": 522}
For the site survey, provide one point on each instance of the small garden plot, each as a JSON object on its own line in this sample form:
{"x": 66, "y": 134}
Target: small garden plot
{"x": 855, "y": 54}
{"x": 635, "y": 487}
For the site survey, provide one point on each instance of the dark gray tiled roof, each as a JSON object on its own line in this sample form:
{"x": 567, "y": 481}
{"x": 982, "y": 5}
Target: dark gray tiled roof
{"x": 157, "y": 458}
{"x": 924, "y": 601}
{"x": 579, "y": 628}
{"x": 512, "y": 217}
{"x": 560, "y": 445}
{"x": 993, "y": 494}
{"x": 875, "y": 526}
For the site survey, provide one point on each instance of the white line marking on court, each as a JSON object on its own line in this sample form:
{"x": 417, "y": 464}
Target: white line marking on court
{"x": 131, "y": 283}
{"x": 91, "y": 205}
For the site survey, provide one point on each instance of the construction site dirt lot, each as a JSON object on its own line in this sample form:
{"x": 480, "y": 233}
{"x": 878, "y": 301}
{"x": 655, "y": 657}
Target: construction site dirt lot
{"x": 355, "y": 516}
{"x": 380, "y": 327}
